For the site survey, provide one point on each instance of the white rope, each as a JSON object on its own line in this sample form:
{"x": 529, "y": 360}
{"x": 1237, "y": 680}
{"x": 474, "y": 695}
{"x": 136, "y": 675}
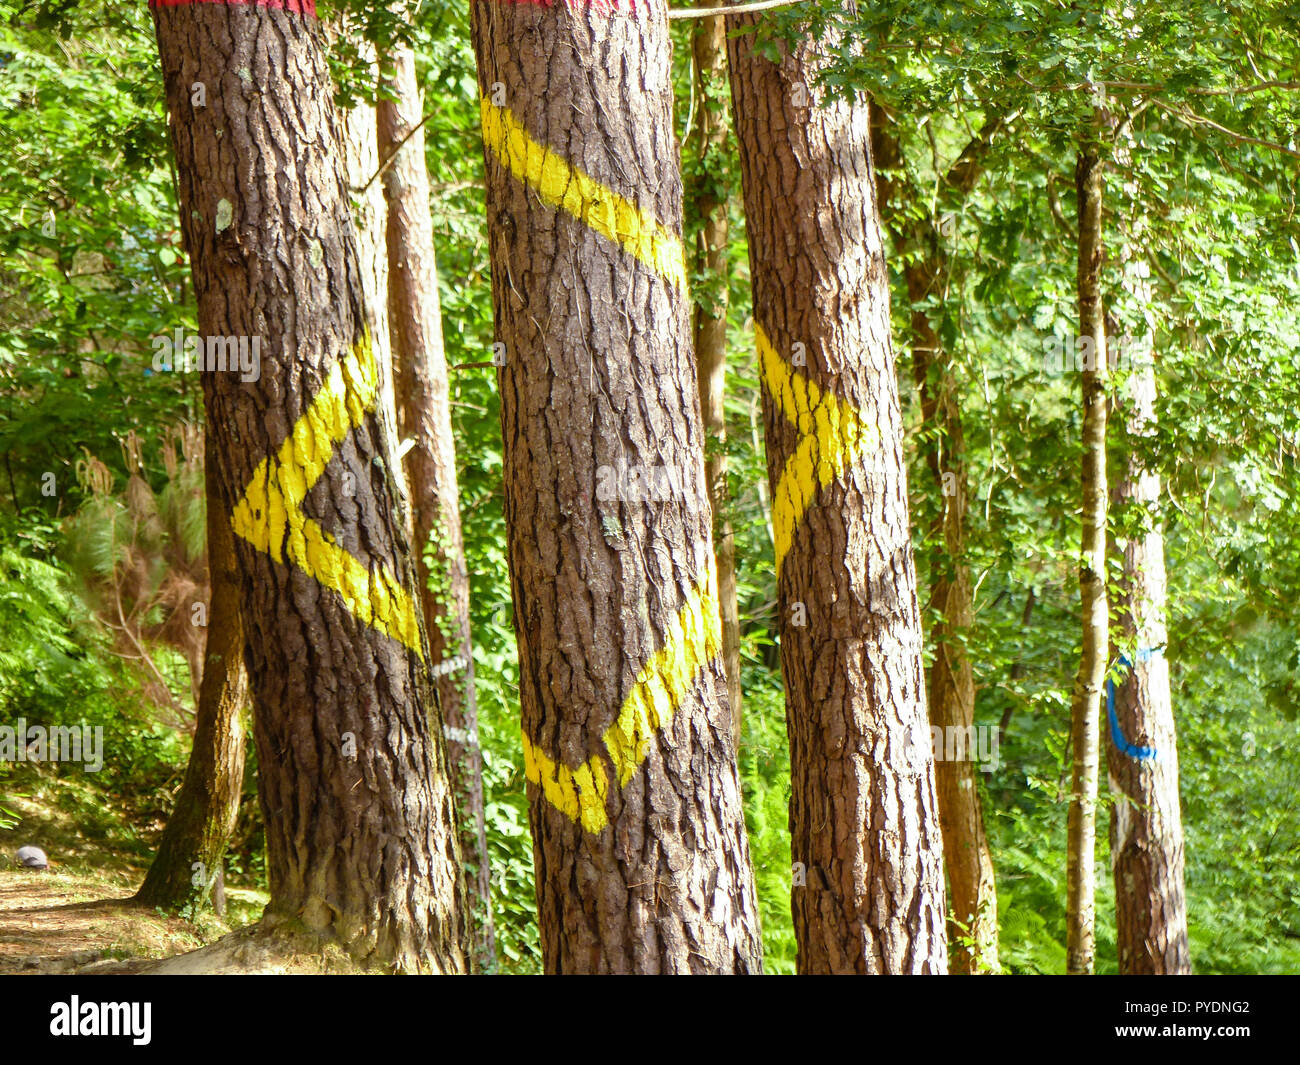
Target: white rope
{"x": 735, "y": 9}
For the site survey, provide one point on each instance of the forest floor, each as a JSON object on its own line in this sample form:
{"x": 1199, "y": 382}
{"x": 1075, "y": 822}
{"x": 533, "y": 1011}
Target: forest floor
{"x": 76, "y": 917}
{"x": 60, "y": 923}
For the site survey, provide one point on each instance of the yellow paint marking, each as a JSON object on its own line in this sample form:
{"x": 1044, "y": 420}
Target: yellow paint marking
{"x": 579, "y": 793}
{"x": 833, "y": 437}
{"x": 560, "y": 184}
{"x": 269, "y": 514}
{"x": 692, "y": 640}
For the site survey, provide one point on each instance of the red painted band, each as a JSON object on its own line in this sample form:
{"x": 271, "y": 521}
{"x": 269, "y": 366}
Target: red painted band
{"x": 296, "y": 7}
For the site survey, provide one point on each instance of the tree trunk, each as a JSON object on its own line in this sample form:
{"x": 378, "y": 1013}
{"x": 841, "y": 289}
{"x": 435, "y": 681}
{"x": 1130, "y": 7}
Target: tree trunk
{"x": 642, "y": 861}
{"x": 1146, "y": 830}
{"x": 360, "y": 147}
{"x": 424, "y": 418}
{"x": 863, "y": 818}
{"x": 1085, "y": 705}
{"x": 360, "y": 833}
{"x": 706, "y": 203}
{"x": 973, "y": 925}
{"x": 194, "y": 842}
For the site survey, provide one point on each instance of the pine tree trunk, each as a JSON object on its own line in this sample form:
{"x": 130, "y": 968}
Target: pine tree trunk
{"x": 642, "y": 861}
{"x": 424, "y": 417}
{"x": 863, "y": 810}
{"x": 361, "y": 154}
{"x": 967, "y": 855}
{"x": 193, "y": 844}
{"x": 706, "y": 202}
{"x": 1146, "y": 830}
{"x": 360, "y": 834}
{"x": 1085, "y": 706}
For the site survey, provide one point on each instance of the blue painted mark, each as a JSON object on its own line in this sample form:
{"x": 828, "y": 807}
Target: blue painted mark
{"x": 1141, "y": 754}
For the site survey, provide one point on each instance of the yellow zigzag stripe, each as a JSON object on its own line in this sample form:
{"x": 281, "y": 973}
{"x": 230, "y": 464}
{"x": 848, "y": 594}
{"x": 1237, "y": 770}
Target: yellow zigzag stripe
{"x": 833, "y": 437}
{"x": 562, "y": 185}
{"x": 579, "y": 793}
{"x": 692, "y": 640}
{"x": 269, "y": 514}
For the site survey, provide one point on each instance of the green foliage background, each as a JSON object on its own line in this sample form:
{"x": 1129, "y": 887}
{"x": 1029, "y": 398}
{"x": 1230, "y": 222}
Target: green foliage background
{"x": 83, "y": 143}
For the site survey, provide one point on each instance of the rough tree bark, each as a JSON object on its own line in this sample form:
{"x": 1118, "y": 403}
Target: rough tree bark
{"x": 361, "y": 842}
{"x": 359, "y": 143}
{"x": 1146, "y": 829}
{"x": 424, "y": 418}
{"x": 1085, "y": 704}
{"x": 207, "y": 805}
{"x": 863, "y": 810}
{"x": 642, "y": 860}
{"x": 917, "y": 240}
{"x": 706, "y": 203}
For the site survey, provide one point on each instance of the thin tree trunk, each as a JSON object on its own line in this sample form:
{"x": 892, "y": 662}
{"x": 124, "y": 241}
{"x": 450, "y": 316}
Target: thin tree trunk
{"x": 360, "y": 831}
{"x": 642, "y": 861}
{"x": 361, "y": 155}
{"x": 863, "y": 811}
{"x": 1146, "y": 830}
{"x": 193, "y": 844}
{"x": 1017, "y": 669}
{"x": 973, "y": 925}
{"x": 967, "y": 855}
{"x": 706, "y": 201}
{"x": 424, "y": 418}
{"x": 1085, "y": 706}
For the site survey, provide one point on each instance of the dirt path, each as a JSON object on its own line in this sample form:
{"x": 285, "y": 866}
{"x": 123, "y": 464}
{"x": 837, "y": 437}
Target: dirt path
{"x": 75, "y": 917}
{"x": 59, "y": 922}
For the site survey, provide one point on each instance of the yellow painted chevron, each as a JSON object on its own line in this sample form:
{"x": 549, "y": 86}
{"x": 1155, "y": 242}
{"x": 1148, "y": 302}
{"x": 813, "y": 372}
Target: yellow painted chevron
{"x": 692, "y": 639}
{"x": 560, "y": 184}
{"x": 579, "y": 793}
{"x": 832, "y": 436}
{"x": 269, "y": 514}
